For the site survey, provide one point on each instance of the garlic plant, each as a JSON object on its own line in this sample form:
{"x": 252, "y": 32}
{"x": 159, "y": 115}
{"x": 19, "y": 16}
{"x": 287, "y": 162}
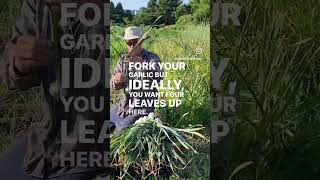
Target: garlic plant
{"x": 150, "y": 148}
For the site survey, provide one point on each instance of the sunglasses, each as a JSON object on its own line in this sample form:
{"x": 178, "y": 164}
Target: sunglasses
{"x": 130, "y": 43}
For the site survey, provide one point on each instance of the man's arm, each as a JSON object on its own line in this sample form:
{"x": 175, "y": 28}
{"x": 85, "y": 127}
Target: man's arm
{"x": 118, "y": 75}
{"x": 9, "y": 73}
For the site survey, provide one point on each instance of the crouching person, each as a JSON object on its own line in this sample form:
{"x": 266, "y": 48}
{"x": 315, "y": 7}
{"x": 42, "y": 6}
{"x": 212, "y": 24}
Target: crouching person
{"x": 125, "y": 113}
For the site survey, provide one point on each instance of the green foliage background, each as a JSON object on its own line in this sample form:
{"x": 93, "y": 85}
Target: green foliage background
{"x": 275, "y": 61}
{"x": 170, "y": 10}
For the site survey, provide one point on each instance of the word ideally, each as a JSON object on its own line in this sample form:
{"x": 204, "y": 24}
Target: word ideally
{"x": 80, "y": 80}
{"x": 154, "y": 84}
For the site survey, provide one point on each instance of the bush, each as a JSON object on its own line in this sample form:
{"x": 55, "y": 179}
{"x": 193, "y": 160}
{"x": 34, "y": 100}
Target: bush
{"x": 184, "y": 20}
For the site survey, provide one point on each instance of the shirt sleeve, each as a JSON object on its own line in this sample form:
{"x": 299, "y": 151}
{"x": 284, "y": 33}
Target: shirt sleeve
{"x": 119, "y": 69}
{"x": 26, "y": 25}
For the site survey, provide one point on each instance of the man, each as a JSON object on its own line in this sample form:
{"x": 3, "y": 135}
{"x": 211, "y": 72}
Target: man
{"x": 124, "y": 114}
{"x": 33, "y": 58}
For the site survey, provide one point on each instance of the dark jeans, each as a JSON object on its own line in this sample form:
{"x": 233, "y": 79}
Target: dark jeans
{"x": 11, "y": 165}
{"x": 119, "y": 122}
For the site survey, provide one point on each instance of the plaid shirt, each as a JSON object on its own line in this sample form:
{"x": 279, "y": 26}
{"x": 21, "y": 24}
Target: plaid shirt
{"x": 124, "y": 108}
{"x": 44, "y": 142}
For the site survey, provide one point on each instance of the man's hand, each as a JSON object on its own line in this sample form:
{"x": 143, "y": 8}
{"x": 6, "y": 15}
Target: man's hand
{"x": 119, "y": 79}
{"x": 31, "y": 52}
{"x": 135, "y": 58}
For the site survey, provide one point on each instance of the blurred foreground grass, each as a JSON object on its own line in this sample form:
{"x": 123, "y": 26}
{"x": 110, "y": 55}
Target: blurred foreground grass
{"x": 18, "y": 110}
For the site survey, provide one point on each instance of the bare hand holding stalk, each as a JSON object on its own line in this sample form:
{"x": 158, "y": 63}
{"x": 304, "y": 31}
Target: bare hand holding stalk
{"x": 31, "y": 52}
{"x": 120, "y": 79}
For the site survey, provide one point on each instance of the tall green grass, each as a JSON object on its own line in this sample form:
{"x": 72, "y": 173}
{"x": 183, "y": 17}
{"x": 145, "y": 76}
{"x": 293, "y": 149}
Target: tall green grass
{"x": 9, "y": 11}
{"x": 18, "y": 110}
{"x": 275, "y": 60}
{"x": 195, "y": 108}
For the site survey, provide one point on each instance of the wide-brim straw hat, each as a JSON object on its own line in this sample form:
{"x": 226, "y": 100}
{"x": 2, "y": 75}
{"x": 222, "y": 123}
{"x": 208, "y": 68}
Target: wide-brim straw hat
{"x": 133, "y": 32}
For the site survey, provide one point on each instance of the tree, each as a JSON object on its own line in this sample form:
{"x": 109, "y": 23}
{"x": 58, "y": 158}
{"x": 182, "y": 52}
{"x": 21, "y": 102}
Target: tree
{"x": 164, "y": 8}
{"x": 112, "y": 12}
{"x": 182, "y": 10}
{"x": 119, "y": 13}
{"x": 167, "y": 9}
{"x": 148, "y": 15}
{"x": 151, "y": 12}
{"x": 201, "y": 9}
{"x": 119, "y": 16}
{"x": 140, "y": 18}
{"x": 128, "y": 15}
{"x": 152, "y": 5}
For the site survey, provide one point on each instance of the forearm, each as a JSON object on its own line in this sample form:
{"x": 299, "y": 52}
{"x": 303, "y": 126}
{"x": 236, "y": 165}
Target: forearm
{"x": 118, "y": 70}
{"x": 11, "y": 77}
{"x": 116, "y": 86}
{"x": 9, "y": 74}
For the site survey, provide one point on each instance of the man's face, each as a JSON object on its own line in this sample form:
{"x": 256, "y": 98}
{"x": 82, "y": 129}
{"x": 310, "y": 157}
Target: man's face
{"x": 132, "y": 43}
